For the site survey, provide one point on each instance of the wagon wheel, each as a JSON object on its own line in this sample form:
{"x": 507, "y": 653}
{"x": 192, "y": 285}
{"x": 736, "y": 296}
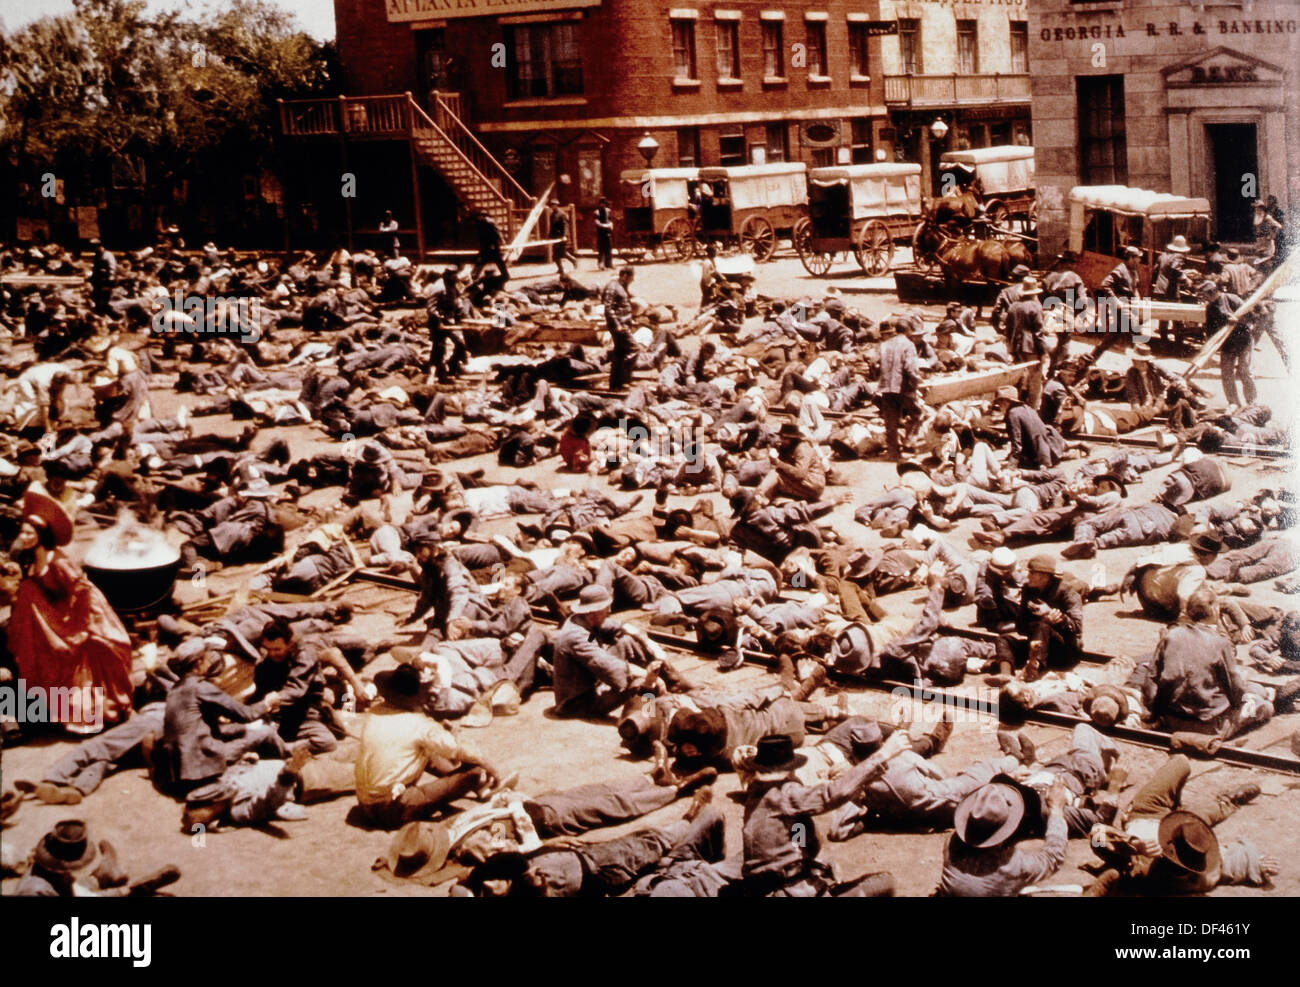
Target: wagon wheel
{"x": 997, "y": 214}
{"x": 874, "y": 249}
{"x": 926, "y": 263}
{"x": 758, "y": 238}
{"x": 815, "y": 263}
{"x": 679, "y": 238}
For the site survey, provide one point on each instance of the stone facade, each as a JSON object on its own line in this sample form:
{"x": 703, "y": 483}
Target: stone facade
{"x": 1208, "y": 99}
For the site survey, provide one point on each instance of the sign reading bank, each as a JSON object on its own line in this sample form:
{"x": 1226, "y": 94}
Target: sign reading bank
{"x": 419, "y": 10}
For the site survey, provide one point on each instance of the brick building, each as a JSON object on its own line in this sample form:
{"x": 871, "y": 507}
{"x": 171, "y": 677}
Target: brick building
{"x": 1188, "y": 98}
{"x": 562, "y": 91}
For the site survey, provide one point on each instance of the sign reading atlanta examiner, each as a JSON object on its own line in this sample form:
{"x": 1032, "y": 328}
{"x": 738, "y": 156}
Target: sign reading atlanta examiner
{"x": 419, "y": 10}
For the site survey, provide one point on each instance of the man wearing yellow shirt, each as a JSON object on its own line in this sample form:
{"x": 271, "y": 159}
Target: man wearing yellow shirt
{"x": 396, "y": 749}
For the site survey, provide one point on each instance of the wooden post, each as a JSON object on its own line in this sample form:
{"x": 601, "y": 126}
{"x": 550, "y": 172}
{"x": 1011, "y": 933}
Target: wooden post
{"x": 415, "y": 179}
{"x": 343, "y": 153}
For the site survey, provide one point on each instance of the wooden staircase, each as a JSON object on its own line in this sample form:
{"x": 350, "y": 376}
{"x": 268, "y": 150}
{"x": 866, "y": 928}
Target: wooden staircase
{"x": 440, "y": 141}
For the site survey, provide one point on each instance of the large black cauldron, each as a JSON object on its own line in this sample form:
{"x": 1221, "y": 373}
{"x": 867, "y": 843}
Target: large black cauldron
{"x": 129, "y": 590}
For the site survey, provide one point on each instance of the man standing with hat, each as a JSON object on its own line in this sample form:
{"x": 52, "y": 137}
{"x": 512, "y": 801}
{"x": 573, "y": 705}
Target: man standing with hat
{"x": 1008, "y": 296}
{"x": 900, "y": 373}
{"x": 1236, "y": 352}
{"x": 981, "y": 858}
{"x": 103, "y": 275}
{"x": 780, "y": 835}
{"x": 1025, "y": 342}
{"x": 1051, "y": 618}
{"x": 1170, "y": 277}
{"x": 1117, "y": 291}
{"x": 617, "y": 299}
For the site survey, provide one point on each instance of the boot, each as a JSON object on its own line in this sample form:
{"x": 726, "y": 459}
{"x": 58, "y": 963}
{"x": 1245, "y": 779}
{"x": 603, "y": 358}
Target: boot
{"x": 940, "y": 734}
{"x": 705, "y": 776}
{"x": 810, "y": 685}
{"x": 151, "y": 884}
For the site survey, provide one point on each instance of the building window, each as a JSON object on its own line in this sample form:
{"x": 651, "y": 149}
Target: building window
{"x": 909, "y": 45}
{"x": 1019, "y": 46}
{"x": 1103, "y": 148}
{"x": 773, "y": 50}
{"x": 777, "y": 143}
{"x": 858, "y": 59}
{"x": 968, "y": 61}
{"x": 817, "y": 48}
{"x": 728, "y": 49}
{"x": 731, "y": 147}
{"x": 684, "y": 49}
{"x": 823, "y": 157}
{"x": 546, "y": 61}
{"x": 860, "y": 131}
{"x": 688, "y": 147}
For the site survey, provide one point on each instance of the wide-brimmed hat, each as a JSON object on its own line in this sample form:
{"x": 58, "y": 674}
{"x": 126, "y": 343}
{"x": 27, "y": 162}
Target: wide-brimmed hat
{"x": 593, "y": 599}
{"x": 1019, "y": 271}
{"x": 1187, "y": 841}
{"x": 775, "y": 757}
{"x": 1132, "y": 251}
{"x": 1029, "y": 287}
{"x": 1008, "y": 394}
{"x": 43, "y": 509}
{"x": 740, "y": 502}
{"x": 990, "y": 815}
{"x": 67, "y": 848}
{"x": 1178, "y": 245}
{"x": 1102, "y": 699}
{"x": 865, "y": 739}
{"x": 1002, "y": 559}
{"x": 864, "y": 563}
{"x": 716, "y": 629}
{"x": 418, "y": 852}
{"x": 1210, "y": 542}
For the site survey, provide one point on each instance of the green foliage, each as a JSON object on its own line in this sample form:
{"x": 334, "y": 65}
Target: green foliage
{"x": 113, "y": 80}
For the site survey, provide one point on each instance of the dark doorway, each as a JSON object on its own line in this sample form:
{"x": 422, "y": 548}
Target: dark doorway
{"x": 1233, "y": 155}
{"x": 432, "y": 60}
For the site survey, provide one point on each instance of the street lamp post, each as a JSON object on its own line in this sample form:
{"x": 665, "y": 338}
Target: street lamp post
{"x": 648, "y": 148}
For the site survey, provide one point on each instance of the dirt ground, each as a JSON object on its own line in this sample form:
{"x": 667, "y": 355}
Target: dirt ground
{"x": 329, "y": 855}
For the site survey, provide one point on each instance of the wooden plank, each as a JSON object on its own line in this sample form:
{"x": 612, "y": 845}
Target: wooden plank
{"x": 1285, "y": 272}
{"x": 1149, "y": 309}
{"x": 937, "y": 391}
{"x": 521, "y": 237}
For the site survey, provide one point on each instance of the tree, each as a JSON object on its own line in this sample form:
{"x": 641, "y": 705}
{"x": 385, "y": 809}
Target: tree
{"x": 110, "y": 85}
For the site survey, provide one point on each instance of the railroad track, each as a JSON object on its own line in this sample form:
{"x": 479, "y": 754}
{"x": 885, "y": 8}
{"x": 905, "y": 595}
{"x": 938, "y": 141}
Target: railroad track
{"x": 1155, "y": 739}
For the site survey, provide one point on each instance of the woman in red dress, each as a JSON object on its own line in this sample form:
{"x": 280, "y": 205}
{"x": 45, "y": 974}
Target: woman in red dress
{"x": 62, "y": 631}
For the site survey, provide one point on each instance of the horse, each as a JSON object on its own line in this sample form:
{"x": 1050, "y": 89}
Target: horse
{"x": 957, "y": 211}
{"x": 965, "y": 259}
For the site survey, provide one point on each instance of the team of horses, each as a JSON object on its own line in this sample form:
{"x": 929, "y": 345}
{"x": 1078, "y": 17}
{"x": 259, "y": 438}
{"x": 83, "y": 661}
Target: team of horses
{"x": 947, "y": 234}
